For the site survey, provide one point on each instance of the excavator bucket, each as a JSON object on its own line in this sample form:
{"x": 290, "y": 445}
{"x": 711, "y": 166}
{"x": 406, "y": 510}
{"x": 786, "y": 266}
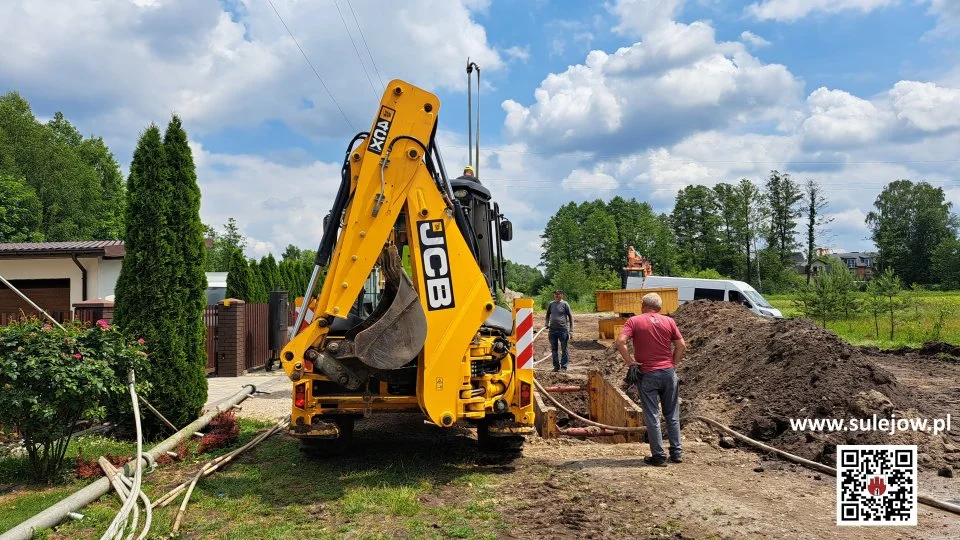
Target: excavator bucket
{"x": 395, "y": 333}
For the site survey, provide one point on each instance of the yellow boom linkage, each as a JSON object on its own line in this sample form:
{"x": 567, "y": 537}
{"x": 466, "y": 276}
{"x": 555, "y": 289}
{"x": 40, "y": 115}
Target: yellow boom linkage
{"x": 435, "y": 341}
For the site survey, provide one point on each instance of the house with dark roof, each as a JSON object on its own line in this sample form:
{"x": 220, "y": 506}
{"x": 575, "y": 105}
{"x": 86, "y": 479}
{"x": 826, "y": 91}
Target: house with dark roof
{"x": 860, "y": 264}
{"x": 58, "y": 275}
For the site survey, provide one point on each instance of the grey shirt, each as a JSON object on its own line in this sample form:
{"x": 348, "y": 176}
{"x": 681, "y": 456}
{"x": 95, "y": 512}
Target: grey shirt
{"x": 559, "y": 316}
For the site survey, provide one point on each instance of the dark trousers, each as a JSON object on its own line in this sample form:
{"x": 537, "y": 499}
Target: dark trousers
{"x": 661, "y": 389}
{"x": 559, "y": 336}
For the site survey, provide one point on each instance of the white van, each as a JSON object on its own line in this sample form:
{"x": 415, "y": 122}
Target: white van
{"x": 724, "y": 290}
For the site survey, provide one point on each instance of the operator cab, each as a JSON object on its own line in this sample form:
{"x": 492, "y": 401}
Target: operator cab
{"x": 489, "y": 229}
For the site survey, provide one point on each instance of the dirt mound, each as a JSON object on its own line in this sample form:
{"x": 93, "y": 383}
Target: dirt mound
{"x": 756, "y": 374}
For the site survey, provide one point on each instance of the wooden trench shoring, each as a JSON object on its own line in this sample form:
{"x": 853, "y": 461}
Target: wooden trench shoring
{"x": 607, "y": 404}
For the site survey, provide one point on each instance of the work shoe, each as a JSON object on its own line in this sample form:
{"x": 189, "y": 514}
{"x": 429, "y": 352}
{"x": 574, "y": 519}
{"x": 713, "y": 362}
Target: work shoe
{"x": 556, "y": 369}
{"x": 676, "y": 459}
{"x": 655, "y": 461}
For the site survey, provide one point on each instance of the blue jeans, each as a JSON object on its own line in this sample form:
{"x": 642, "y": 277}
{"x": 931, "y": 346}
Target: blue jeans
{"x": 658, "y": 389}
{"x": 558, "y": 336}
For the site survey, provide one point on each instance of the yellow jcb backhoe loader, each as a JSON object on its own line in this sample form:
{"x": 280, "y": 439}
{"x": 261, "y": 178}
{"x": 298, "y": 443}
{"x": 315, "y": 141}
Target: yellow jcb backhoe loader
{"x": 433, "y": 342}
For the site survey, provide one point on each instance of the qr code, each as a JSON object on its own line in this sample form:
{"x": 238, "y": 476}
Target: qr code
{"x": 877, "y": 485}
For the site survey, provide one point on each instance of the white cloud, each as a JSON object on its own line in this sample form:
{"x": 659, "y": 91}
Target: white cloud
{"x": 753, "y": 40}
{"x": 518, "y": 53}
{"x": 926, "y": 106}
{"x": 127, "y": 64}
{"x": 908, "y": 111}
{"x": 232, "y": 185}
{"x": 948, "y": 14}
{"x": 675, "y": 81}
{"x": 839, "y": 119}
{"x": 792, "y": 10}
{"x": 590, "y": 184}
{"x": 637, "y": 17}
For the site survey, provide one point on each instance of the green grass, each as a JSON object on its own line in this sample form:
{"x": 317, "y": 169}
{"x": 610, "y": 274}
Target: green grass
{"x": 385, "y": 490}
{"x": 912, "y": 327}
{"x": 28, "y": 498}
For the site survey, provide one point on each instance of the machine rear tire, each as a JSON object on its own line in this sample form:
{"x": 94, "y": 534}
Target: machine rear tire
{"x": 330, "y": 447}
{"x": 499, "y": 445}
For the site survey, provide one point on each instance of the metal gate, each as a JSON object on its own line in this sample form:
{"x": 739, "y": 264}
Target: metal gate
{"x": 210, "y": 315}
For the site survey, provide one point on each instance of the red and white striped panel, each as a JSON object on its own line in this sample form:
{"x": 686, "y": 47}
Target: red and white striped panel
{"x": 524, "y": 338}
{"x": 306, "y": 320}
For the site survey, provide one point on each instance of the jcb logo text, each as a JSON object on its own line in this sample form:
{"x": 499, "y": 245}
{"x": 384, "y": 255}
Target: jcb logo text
{"x": 436, "y": 265}
{"x": 381, "y": 130}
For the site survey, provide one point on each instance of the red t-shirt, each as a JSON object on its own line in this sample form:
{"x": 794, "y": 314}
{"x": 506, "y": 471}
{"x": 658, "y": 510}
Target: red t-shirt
{"x": 652, "y": 335}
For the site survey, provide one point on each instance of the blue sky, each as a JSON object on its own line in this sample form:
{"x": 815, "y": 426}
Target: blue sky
{"x": 580, "y": 100}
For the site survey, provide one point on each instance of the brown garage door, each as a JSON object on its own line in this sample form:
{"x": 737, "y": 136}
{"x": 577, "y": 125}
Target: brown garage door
{"x": 53, "y": 295}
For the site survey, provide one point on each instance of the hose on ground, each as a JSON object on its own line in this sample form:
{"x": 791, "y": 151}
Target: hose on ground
{"x": 121, "y": 521}
{"x": 582, "y": 419}
{"x": 922, "y": 499}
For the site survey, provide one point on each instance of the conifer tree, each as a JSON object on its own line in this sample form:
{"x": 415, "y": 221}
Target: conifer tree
{"x": 238, "y": 277}
{"x": 146, "y": 306}
{"x": 189, "y": 252}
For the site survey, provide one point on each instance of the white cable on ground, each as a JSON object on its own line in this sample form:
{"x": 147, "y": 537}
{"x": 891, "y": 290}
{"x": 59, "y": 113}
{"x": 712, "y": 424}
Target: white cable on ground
{"x": 120, "y": 521}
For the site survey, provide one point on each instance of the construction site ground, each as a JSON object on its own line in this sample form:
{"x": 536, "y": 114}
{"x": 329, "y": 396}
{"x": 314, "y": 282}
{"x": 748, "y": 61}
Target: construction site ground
{"x": 407, "y": 479}
{"x": 573, "y": 488}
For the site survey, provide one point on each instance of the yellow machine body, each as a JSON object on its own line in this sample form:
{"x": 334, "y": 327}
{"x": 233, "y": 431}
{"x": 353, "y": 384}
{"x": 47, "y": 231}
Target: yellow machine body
{"x": 464, "y": 370}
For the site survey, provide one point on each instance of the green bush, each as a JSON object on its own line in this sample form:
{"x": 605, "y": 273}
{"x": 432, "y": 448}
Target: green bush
{"x": 50, "y": 379}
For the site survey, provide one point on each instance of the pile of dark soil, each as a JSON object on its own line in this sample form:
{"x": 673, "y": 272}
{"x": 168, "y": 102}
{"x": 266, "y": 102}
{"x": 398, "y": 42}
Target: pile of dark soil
{"x": 755, "y": 374}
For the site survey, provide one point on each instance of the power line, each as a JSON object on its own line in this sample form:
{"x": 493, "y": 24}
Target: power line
{"x": 592, "y": 155}
{"x": 309, "y": 63}
{"x": 372, "y": 61}
{"x": 356, "y": 50}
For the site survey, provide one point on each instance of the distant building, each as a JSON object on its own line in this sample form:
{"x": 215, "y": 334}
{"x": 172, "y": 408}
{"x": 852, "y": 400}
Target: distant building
{"x": 59, "y": 275}
{"x": 860, "y": 264}
{"x": 216, "y": 287}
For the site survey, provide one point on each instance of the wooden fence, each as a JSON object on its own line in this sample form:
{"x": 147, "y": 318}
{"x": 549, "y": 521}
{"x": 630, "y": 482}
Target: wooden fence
{"x": 256, "y": 336}
{"x": 256, "y": 340}
{"x": 59, "y": 316}
{"x": 210, "y": 322}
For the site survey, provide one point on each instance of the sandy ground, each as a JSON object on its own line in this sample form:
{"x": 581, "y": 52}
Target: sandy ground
{"x": 585, "y": 489}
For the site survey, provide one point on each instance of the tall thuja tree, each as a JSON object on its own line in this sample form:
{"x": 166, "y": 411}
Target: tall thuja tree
{"x": 238, "y": 277}
{"x": 189, "y": 252}
{"x": 147, "y": 304}
{"x": 270, "y": 273}
{"x": 258, "y": 292}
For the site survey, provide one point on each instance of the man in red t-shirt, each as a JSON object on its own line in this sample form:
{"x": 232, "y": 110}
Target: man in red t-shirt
{"x": 653, "y": 336}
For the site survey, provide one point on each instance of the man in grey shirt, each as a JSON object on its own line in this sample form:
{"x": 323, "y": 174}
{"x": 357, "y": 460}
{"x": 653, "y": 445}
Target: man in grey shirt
{"x": 560, "y": 322}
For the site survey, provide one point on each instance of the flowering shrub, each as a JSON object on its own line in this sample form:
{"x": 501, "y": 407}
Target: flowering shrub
{"x": 51, "y": 378}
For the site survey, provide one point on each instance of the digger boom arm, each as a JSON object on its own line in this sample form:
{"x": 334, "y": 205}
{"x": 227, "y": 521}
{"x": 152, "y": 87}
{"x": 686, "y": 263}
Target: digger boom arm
{"x": 389, "y": 178}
